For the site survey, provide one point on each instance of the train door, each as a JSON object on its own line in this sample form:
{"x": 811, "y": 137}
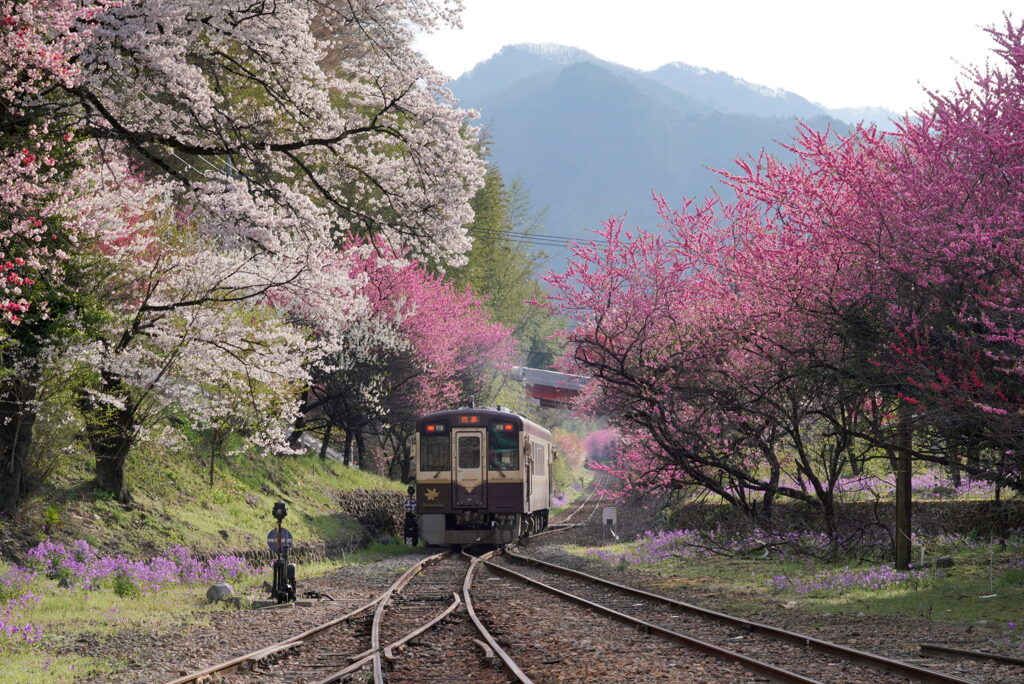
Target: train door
{"x": 469, "y": 447}
{"x": 531, "y": 447}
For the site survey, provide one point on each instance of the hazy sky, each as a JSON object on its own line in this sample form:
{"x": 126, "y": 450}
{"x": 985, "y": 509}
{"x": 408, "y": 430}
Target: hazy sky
{"x": 867, "y": 53}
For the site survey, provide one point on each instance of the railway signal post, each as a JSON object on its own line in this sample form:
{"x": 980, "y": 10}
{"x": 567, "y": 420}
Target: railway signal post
{"x": 412, "y": 528}
{"x": 280, "y": 540}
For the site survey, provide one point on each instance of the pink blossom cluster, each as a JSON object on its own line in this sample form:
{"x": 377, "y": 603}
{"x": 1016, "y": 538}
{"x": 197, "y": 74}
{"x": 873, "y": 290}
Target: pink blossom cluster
{"x": 871, "y": 287}
{"x": 431, "y": 342}
{"x": 39, "y": 42}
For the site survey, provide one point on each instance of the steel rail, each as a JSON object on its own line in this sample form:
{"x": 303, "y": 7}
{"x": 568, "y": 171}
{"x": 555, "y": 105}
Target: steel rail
{"x": 361, "y": 659}
{"x": 378, "y": 614}
{"x": 584, "y": 502}
{"x": 864, "y": 657}
{"x": 940, "y": 651}
{"x": 229, "y": 666}
{"x": 563, "y": 525}
{"x": 389, "y": 650}
{"x": 772, "y": 672}
{"x": 232, "y": 665}
{"x": 468, "y": 601}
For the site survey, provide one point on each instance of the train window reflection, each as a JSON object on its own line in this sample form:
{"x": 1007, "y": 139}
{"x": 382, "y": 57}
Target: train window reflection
{"x": 469, "y": 451}
{"x": 435, "y": 452}
{"x": 502, "y": 449}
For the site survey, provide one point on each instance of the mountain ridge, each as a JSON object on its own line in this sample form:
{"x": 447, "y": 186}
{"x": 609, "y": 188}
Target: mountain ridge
{"x": 590, "y": 139}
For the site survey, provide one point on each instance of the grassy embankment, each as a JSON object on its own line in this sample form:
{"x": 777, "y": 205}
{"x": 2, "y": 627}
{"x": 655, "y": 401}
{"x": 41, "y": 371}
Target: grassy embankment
{"x": 69, "y": 618}
{"x": 985, "y": 583}
{"x": 569, "y": 482}
{"x": 173, "y": 505}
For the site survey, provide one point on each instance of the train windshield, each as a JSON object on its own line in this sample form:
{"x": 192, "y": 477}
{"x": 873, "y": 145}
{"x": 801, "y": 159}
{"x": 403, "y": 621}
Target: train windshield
{"x": 502, "y": 448}
{"x": 435, "y": 452}
{"x": 469, "y": 451}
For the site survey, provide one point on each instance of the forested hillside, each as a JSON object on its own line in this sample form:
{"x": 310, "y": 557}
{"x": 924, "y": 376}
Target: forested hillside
{"x": 590, "y": 139}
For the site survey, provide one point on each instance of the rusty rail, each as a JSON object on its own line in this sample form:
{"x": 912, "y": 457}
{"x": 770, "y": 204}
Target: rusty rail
{"x": 940, "y": 651}
{"x": 468, "y": 601}
{"x": 232, "y": 665}
{"x": 772, "y": 672}
{"x": 378, "y": 615}
{"x": 871, "y": 659}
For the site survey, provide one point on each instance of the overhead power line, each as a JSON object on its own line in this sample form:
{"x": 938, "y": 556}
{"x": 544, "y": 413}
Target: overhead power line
{"x": 533, "y": 238}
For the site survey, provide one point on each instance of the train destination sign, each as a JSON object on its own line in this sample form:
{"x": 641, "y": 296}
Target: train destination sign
{"x": 286, "y": 539}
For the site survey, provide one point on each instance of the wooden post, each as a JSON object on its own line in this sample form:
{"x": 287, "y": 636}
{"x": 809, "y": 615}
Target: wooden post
{"x": 904, "y": 442}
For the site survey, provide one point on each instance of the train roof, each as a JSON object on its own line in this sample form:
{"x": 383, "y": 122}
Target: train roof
{"x": 499, "y": 413}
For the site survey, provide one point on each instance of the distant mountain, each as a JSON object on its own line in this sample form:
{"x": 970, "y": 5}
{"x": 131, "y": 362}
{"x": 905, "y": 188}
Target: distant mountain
{"x": 590, "y": 139}
{"x": 731, "y": 95}
{"x": 880, "y": 116}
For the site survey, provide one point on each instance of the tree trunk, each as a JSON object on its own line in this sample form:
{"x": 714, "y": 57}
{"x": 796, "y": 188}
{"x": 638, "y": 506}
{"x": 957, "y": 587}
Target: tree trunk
{"x": 17, "y": 416}
{"x": 110, "y": 431}
{"x": 110, "y": 476}
{"x": 406, "y": 462}
{"x": 361, "y": 450}
{"x": 217, "y": 440}
{"x": 768, "y": 500}
{"x": 347, "y": 454}
{"x": 954, "y": 467}
{"x": 327, "y": 440}
{"x": 856, "y": 465}
{"x": 904, "y": 441}
{"x": 300, "y": 424}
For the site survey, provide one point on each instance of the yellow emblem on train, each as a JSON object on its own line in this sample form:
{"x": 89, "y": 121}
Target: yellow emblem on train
{"x": 431, "y": 494}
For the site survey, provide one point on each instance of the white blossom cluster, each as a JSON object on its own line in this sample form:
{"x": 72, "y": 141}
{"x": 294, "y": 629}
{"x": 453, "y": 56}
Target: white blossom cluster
{"x": 233, "y": 156}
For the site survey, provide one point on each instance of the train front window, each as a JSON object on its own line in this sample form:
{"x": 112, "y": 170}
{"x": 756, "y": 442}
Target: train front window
{"x": 435, "y": 452}
{"x": 502, "y": 448}
{"x": 469, "y": 451}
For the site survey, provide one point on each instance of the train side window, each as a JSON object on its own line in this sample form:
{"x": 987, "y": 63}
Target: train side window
{"x": 540, "y": 453}
{"x": 469, "y": 451}
{"x": 435, "y": 452}
{"x": 502, "y": 449}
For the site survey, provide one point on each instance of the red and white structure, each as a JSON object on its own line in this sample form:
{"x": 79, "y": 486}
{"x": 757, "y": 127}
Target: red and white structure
{"x": 550, "y": 388}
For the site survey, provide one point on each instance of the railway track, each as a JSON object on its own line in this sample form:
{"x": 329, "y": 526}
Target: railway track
{"x": 776, "y": 654}
{"x": 506, "y": 617}
{"x": 312, "y": 655}
{"x": 374, "y": 635}
{"x": 377, "y": 638}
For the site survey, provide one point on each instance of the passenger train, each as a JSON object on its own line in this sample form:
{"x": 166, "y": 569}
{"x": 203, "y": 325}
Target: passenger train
{"x": 483, "y": 476}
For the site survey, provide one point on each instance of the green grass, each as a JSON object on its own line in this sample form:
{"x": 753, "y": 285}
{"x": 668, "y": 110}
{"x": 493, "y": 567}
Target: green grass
{"x": 564, "y": 481}
{"x": 36, "y": 667}
{"x": 174, "y": 504}
{"x": 67, "y": 615}
{"x": 952, "y": 594}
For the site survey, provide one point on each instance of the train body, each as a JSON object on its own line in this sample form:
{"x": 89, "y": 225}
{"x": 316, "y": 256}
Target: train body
{"x": 483, "y": 476}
